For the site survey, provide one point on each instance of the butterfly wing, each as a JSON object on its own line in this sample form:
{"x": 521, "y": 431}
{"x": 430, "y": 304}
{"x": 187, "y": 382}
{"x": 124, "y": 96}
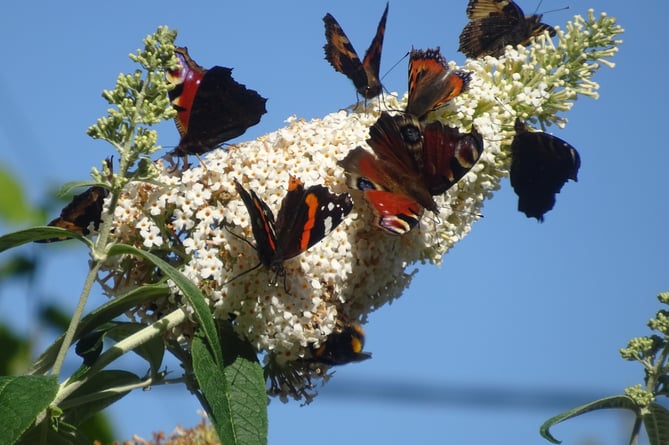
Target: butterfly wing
{"x": 394, "y": 211}
{"x": 448, "y": 155}
{"x": 262, "y": 224}
{"x": 431, "y": 84}
{"x": 397, "y": 142}
{"x": 342, "y": 56}
{"x": 222, "y": 110}
{"x": 372, "y": 61}
{"x": 84, "y": 209}
{"x": 307, "y": 215}
{"x": 211, "y": 106}
{"x": 540, "y": 165}
{"x": 494, "y": 25}
{"x": 186, "y": 80}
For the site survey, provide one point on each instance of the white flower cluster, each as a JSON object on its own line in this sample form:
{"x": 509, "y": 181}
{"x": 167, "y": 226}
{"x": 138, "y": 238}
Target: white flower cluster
{"x": 200, "y": 219}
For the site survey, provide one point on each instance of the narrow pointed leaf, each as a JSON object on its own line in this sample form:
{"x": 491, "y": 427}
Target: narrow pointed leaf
{"x": 21, "y": 237}
{"x": 622, "y": 402}
{"x": 656, "y": 421}
{"x": 190, "y": 291}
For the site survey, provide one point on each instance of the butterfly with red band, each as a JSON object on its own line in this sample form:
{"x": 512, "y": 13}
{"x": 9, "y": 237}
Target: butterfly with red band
{"x": 431, "y": 83}
{"x": 413, "y": 163}
{"x": 343, "y": 58}
{"x": 540, "y": 165}
{"x": 494, "y": 24}
{"x": 211, "y": 106}
{"x": 305, "y": 217}
{"x": 342, "y": 346}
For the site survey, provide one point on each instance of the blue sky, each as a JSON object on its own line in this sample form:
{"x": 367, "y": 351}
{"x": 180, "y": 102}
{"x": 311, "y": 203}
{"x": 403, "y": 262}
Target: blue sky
{"x": 473, "y": 351}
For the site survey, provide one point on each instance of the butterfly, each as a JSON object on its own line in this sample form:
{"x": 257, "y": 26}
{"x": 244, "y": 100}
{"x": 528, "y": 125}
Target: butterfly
{"x": 412, "y": 164}
{"x": 540, "y": 165}
{"x": 84, "y": 209}
{"x": 305, "y": 217}
{"x": 495, "y": 24}
{"x": 431, "y": 83}
{"x": 341, "y": 55}
{"x": 211, "y": 106}
{"x": 341, "y": 347}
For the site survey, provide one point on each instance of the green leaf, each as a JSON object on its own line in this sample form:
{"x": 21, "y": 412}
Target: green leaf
{"x": 38, "y": 233}
{"x": 235, "y": 395}
{"x": 246, "y": 380}
{"x": 98, "y": 317}
{"x": 623, "y": 402}
{"x": 22, "y": 398}
{"x": 190, "y": 291}
{"x": 96, "y": 394}
{"x": 152, "y": 351}
{"x": 656, "y": 421}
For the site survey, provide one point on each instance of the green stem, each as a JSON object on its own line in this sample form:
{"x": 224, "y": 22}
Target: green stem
{"x": 128, "y": 344}
{"x": 76, "y": 317}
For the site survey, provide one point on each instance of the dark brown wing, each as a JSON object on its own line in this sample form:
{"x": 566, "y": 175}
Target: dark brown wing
{"x": 540, "y": 165}
{"x": 222, "y": 109}
{"x": 494, "y": 25}
{"x": 342, "y": 56}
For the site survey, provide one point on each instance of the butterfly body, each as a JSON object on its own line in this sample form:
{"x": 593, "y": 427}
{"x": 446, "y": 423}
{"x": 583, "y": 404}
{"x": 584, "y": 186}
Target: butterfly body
{"x": 540, "y": 165}
{"x": 494, "y": 24}
{"x": 211, "y": 106}
{"x": 342, "y": 56}
{"x": 305, "y": 217}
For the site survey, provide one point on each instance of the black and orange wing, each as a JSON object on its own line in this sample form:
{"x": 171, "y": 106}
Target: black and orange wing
{"x": 307, "y": 216}
{"x": 83, "y": 211}
{"x": 342, "y": 56}
{"x": 431, "y": 83}
{"x": 494, "y": 24}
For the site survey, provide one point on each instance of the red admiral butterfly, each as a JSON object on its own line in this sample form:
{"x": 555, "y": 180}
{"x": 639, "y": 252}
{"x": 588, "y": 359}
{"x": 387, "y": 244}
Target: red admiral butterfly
{"x": 306, "y": 216}
{"x": 495, "y": 24}
{"x": 431, "y": 83}
{"x": 412, "y": 164}
{"x": 342, "y": 347}
{"x": 211, "y": 106}
{"x": 341, "y": 55}
{"x": 540, "y": 165}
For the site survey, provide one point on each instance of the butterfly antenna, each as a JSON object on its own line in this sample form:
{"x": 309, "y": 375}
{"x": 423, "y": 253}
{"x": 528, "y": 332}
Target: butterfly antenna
{"x": 555, "y": 10}
{"x": 394, "y": 65}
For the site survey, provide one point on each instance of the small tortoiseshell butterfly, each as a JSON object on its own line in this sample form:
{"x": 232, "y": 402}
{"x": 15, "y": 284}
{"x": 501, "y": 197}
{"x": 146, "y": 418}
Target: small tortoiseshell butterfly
{"x": 84, "y": 210}
{"x": 412, "y": 164}
{"x": 341, "y": 347}
{"x": 540, "y": 165}
{"x": 495, "y": 24}
{"x": 341, "y": 55}
{"x": 306, "y": 216}
{"x": 211, "y": 106}
{"x": 431, "y": 83}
